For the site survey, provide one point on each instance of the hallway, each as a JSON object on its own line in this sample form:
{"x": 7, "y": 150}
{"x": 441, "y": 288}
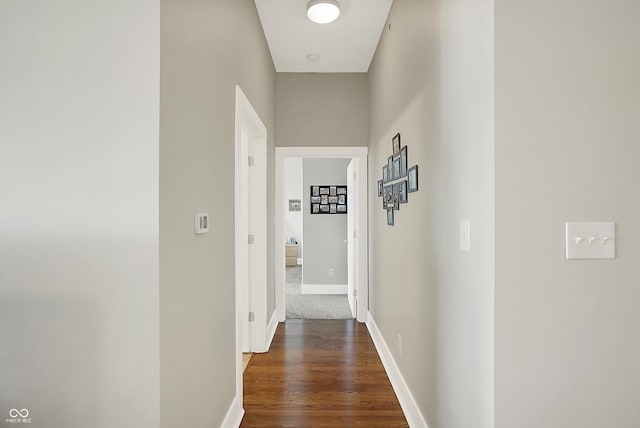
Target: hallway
{"x": 320, "y": 373}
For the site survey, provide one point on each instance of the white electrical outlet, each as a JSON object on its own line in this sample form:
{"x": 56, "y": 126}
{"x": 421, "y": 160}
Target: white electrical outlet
{"x": 201, "y": 223}
{"x": 332, "y": 272}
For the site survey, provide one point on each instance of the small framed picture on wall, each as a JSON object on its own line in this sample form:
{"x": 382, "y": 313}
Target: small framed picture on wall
{"x": 403, "y": 162}
{"x": 396, "y": 143}
{"x": 294, "y": 204}
{"x": 402, "y": 192}
{"x": 412, "y": 182}
{"x": 396, "y": 168}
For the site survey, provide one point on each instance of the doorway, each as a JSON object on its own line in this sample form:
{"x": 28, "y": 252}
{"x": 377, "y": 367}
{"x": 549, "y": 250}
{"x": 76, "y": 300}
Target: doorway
{"x": 357, "y": 243}
{"x": 316, "y": 285}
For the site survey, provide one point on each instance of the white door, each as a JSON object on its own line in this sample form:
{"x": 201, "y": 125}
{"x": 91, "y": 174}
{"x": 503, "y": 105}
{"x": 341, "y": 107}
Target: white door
{"x": 351, "y": 215}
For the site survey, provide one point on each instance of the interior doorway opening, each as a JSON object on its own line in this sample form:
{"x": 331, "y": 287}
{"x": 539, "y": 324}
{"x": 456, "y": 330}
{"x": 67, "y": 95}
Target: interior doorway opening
{"x": 321, "y": 277}
{"x": 315, "y": 224}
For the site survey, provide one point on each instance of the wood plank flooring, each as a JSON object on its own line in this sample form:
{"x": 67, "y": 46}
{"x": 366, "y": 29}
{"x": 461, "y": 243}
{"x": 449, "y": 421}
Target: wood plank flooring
{"x": 320, "y": 373}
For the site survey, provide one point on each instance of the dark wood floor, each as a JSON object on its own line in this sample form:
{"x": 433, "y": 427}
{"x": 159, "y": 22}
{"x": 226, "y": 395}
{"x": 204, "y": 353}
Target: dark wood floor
{"x": 320, "y": 373}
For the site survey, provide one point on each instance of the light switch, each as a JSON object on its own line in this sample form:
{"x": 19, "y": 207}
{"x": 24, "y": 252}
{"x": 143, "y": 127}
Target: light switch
{"x": 465, "y": 235}
{"x": 590, "y": 240}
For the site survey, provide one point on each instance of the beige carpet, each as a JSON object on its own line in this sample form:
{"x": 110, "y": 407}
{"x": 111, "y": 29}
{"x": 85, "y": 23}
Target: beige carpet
{"x": 313, "y": 306}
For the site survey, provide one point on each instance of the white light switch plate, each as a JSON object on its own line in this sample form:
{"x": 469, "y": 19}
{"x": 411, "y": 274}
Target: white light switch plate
{"x": 465, "y": 235}
{"x": 590, "y": 240}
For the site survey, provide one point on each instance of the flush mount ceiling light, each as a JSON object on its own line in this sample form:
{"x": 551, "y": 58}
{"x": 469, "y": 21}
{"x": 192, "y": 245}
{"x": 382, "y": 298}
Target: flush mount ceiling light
{"x": 323, "y": 11}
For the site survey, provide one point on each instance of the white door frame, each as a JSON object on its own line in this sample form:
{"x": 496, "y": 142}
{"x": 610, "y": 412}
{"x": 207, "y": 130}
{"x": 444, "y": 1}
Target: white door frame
{"x": 359, "y": 155}
{"x": 352, "y": 213}
{"x": 250, "y": 138}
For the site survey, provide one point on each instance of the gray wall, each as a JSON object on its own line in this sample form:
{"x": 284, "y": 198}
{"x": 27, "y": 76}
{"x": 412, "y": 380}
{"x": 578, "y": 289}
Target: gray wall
{"x": 321, "y": 110}
{"x": 207, "y": 48}
{"x": 567, "y": 149}
{"x": 324, "y": 234}
{"x": 79, "y": 212}
{"x": 431, "y": 80}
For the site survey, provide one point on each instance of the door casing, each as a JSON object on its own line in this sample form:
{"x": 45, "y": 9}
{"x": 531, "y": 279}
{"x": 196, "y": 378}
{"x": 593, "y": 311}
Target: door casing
{"x": 250, "y": 191}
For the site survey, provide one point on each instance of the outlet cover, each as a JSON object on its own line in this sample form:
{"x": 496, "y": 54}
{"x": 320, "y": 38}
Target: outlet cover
{"x": 201, "y": 223}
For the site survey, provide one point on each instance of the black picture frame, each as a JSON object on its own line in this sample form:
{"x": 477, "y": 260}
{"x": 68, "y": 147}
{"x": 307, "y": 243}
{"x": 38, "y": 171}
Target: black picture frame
{"x": 328, "y": 199}
{"x": 412, "y": 179}
{"x": 387, "y": 196}
{"x": 403, "y": 162}
{"x": 395, "y": 143}
{"x": 390, "y": 216}
{"x": 396, "y": 168}
{"x": 390, "y": 168}
{"x": 385, "y": 174}
{"x": 380, "y": 185}
{"x": 402, "y": 192}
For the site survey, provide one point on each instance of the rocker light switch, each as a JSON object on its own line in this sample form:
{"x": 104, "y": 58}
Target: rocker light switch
{"x": 590, "y": 240}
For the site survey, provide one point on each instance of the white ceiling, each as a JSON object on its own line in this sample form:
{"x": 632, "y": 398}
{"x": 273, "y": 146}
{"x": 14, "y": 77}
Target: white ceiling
{"x": 345, "y": 45}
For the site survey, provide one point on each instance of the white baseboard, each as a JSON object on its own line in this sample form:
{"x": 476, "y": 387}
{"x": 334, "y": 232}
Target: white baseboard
{"x": 234, "y": 415}
{"x": 407, "y": 402}
{"x": 271, "y": 329}
{"x": 299, "y": 261}
{"x": 323, "y": 289}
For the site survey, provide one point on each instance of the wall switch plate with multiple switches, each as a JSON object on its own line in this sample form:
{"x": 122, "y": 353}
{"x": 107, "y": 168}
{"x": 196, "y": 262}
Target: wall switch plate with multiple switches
{"x": 590, "y": 240}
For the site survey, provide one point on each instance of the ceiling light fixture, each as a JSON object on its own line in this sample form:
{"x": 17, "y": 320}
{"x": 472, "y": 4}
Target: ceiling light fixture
{"x": 323, "y": 11}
